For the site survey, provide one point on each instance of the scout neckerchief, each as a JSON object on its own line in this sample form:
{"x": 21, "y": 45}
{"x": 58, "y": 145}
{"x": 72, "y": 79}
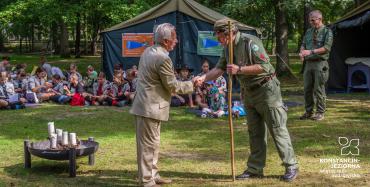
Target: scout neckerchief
{"x": 120, "y": 88}
{"x": 100, "y": 89}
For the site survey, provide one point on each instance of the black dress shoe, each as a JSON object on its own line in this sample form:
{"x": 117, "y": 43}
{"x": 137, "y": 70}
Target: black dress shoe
{"x": 248, "y": 175}
{"x": 290, "y": 175}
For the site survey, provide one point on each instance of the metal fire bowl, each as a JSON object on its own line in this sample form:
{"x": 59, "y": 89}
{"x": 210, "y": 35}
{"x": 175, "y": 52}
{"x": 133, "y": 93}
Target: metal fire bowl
{"x": 42, "y": 150}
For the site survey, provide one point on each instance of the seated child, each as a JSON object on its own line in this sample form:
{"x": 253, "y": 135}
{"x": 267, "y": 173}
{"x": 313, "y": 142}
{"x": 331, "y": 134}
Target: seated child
{"x": 201, "y": 93}
{"x": 58, "y": 88}
{"x": 20, "y": 83}
{"x": 118, "y": 92}
{"x": 217, "y": 104}
{"x": 75, "y": 90}
{"x": 99, "y": 90}
{"x": 131, "y": 79}
{"x": 90, "y": 79}
{"x": 4, "y": 64}
{"x": 38, "y": 85}
{"x": 8, "y": 95}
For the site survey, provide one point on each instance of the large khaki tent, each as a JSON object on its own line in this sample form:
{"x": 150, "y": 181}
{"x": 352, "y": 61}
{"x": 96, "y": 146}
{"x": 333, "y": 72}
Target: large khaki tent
{"x": 188, "y": 16}
{"x": 351, "y": 39}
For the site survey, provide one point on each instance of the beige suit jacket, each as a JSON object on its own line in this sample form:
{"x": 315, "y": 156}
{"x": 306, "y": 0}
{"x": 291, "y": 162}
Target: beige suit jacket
{"x": 156, "y": 82}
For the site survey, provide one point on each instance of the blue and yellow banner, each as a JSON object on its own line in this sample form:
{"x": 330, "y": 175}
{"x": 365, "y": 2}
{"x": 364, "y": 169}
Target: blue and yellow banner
{"x": 208, "y": 44}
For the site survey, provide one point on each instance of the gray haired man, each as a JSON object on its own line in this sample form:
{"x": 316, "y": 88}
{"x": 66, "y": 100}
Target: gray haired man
{"x": 315, "y": 50}
{"x": 156, "y": 82}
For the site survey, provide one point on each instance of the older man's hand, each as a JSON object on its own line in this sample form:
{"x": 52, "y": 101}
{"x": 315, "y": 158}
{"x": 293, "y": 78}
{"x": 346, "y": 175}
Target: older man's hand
{"x": 232, "y": 69}
{"x": 305, "y": 53}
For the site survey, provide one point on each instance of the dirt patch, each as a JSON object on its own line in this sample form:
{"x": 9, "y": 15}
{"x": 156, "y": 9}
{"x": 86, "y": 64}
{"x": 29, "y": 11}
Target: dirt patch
{"x": 189, "y": 156}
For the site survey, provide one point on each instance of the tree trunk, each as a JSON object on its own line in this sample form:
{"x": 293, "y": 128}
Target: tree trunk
{"x": 85, "y": 34}
{"x": 306, "y": 24}
{"x": 28, "y": 42}
{"x": 94, "y": 38}
{"x": 2, "y": 47}
{"x": 54, "y": 36}
{"x": 20, "y": 44}
{"x": 32, "y": 37}
{"x": 78, "y": 37}
{"x": 39, "y": 33}
{"x": 282, "y": 56}
{"x": 64, "y": 47}
{"x": 273, "y": 40}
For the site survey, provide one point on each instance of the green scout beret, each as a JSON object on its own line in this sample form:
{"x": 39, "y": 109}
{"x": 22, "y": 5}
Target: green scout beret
{"x": 223, "y": 24}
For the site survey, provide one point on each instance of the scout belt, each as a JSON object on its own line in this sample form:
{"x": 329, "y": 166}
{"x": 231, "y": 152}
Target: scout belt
{"x": 262, "y": 82}
{"x": 315, "y": 60}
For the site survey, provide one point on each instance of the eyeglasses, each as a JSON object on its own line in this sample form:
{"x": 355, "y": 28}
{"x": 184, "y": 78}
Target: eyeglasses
{"x": 313, "y": 20}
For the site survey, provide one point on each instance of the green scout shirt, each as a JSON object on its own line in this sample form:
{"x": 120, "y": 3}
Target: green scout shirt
{"x": 248, "y": 50}
{"x": 317, "y": 38}
{"x": 242, "y": 57}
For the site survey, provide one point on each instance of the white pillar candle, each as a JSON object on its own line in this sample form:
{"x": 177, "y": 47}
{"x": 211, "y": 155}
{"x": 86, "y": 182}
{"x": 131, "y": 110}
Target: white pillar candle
{"x": 53, "y": 141}
{"x": 72, "y": 139}
{"x": 51, "y": 129}
{"x": 65, "y": 138}
{"x": 59, "y": 135}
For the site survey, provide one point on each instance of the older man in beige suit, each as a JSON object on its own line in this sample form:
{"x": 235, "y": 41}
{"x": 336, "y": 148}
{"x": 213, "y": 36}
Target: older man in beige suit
{"x": 151, "y": 105}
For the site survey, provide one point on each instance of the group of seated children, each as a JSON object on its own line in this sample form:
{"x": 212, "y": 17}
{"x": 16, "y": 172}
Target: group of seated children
{"x": 51, "y": 84}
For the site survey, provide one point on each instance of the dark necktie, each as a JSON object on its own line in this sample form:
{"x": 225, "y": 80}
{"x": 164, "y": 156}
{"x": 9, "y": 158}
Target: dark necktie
{"x": 315, "y": 38}
{"x": 100, "y": 90}
{"x": 119, "y": 88}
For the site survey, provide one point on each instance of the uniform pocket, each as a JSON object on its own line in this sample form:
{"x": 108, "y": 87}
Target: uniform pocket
{"x": 324, "y": 75}
{"x": 277, "y": 116}
{"x": 163, "y": 105}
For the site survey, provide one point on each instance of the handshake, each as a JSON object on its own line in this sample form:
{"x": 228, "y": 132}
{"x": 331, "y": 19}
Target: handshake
{"x": 198, "y": 80}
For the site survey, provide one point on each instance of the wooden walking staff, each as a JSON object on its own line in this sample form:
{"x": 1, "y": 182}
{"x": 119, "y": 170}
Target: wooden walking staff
{"x": 229, "y": 96}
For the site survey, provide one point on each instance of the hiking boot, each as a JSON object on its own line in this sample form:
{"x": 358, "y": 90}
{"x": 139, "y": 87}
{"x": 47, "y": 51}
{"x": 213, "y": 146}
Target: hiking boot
{"x": 318, "y": 117}
{"x": 306, "y": 115}
{"x": 290, "y": 174}
{"x": 247, "y": 175}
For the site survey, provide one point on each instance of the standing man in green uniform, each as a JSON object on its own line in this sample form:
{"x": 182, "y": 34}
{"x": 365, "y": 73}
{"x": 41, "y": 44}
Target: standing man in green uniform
{"x": 315, "y": 51}
{"x": 261, "y": 94}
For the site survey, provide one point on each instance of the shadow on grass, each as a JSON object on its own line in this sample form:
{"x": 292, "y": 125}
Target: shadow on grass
{"x": 42, "y": 172}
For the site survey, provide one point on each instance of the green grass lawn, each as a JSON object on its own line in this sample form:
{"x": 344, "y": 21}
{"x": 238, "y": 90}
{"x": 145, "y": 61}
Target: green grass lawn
{"x": 194, "y": 151}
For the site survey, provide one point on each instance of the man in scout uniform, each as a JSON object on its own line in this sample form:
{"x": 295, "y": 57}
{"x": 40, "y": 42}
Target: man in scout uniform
{"x": 156, "y": 82}
{"x": 261, "y": 93}
{"x": 315, "y": 51}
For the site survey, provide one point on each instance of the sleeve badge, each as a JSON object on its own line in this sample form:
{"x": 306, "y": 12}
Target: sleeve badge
{"x": 255, "y": 47}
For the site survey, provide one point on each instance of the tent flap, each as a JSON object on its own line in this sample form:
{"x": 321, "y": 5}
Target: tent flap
{"x": 355, "y": 22}
{"x": 351, "y": 40}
